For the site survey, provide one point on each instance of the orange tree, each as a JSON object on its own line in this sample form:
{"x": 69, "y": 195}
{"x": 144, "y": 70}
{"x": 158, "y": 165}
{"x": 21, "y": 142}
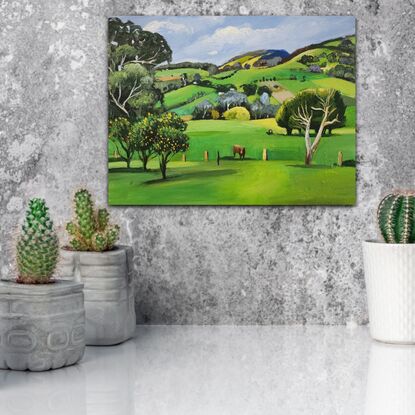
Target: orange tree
{"x": 143, "y": 135}
{"x": 119, "y": 135}
{"x": 162, "y": 136}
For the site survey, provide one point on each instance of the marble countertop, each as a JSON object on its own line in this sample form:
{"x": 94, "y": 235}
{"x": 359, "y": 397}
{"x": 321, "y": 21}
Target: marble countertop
{"x": 218, "y": 370}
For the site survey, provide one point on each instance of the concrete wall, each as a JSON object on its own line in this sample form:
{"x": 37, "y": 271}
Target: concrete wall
{"x": 202, "y": 265}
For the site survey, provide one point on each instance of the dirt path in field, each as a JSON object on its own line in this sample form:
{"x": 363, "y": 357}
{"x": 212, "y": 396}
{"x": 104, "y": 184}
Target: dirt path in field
{"x": 278, "y": 92}
{"x": 281, "y": 94}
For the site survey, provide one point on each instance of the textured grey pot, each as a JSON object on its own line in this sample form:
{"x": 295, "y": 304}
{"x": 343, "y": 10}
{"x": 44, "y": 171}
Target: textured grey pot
{"x": 42, "y": 327}
{"x": 108, "y": 290}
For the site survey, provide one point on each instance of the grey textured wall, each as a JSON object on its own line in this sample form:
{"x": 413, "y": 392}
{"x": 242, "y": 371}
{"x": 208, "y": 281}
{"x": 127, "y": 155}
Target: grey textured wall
{"x": 202, "y": 265}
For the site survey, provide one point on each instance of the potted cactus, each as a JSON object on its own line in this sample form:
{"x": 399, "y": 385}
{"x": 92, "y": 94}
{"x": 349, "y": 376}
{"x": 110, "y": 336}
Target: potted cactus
{"x": 42, "y": 320}
{"x": 390, "y": 271}
{"x": 105, "y": 269}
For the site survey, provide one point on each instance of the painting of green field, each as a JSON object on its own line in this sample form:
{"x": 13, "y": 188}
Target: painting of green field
{"x": 206, "y": 111}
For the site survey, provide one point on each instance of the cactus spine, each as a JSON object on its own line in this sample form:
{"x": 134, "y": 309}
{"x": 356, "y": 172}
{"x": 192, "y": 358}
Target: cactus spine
{"x": 91, "y": 231}
{"x": 37, "y": 247}
{"x": 396, "y": 218}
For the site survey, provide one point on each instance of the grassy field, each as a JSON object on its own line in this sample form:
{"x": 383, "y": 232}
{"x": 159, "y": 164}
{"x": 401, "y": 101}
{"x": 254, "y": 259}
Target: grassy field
{"x": 281, "y": 180}
{"x": 347, "y": 88}
{"x": 179, "y": 71}
{"x": 188, "y": 109}
{"x": 213, "y": 136}
{"x": 233, "y": 182}
{"x": 179, "y": 97}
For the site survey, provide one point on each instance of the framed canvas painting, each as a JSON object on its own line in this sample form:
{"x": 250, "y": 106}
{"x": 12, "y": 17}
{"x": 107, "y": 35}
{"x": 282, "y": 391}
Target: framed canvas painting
{"x": 241, "y": 110}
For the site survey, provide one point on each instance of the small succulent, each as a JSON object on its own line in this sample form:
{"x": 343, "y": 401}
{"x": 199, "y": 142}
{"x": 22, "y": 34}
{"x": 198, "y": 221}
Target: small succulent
{"x": 91, "y": 230}
{"x": 37, "y": 247}
{"x": 396, "y": 218}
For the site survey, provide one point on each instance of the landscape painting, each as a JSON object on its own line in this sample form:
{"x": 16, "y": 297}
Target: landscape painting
{"x": 231, "y": 110}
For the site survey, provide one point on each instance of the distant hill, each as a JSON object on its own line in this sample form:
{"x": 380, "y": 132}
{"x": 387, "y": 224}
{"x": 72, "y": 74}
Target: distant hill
{"x": 210, "y": 67}
{"x": 334, "y": 57}
{"x": 256, "y": 58}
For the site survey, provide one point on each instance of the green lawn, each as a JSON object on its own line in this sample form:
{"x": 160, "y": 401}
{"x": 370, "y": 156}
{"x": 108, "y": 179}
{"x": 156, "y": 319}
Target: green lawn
{"x": 281, "y": 180}
{"x": 233, "y": 182}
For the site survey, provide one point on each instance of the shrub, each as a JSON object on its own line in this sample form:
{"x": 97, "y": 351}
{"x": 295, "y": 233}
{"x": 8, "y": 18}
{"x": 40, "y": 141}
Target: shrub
{"x": 264, "y": 88}
{"x": 214, "y": 114}
{"x": 224, "y": 87}
{"x": 249, "y": 89}
{"x": 237, "y": 113}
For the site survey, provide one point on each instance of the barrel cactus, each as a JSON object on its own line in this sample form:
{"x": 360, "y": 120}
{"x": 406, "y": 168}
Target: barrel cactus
{"x": 37, "y": 247}
{"x": 396, "y": 218}
{"x": 91, "y": 230}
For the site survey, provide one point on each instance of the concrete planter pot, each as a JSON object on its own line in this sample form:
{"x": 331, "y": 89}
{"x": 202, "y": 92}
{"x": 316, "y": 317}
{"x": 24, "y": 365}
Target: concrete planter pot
{"x": 108, "y": 290}
{"x": 42, "y": 327}
{"x": 390, "y": 284}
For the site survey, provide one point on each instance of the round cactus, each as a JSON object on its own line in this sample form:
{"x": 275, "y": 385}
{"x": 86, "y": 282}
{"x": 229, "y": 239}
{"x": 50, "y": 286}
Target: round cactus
{"x": 396, "y": 218}
{"x": 38, "y": 246}
{"x": 91, "y": 231}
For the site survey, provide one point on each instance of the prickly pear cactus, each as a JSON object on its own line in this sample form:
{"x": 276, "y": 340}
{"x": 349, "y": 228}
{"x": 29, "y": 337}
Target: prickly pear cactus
{"x": 37, "y": 247}
{"x": 91, "y": 231}
{"x": 396, "y": 218}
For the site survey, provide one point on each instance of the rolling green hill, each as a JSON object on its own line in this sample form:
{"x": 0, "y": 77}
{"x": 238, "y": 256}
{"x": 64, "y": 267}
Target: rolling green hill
{"x": 184, "y": 95}
{"x": 329, "y": 64}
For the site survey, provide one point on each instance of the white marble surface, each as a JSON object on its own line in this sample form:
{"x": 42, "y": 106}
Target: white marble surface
{"x": 218, "y": 370}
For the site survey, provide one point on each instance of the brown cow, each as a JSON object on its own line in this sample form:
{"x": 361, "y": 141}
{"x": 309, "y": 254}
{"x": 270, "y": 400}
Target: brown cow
{"x": 237, "y": 149}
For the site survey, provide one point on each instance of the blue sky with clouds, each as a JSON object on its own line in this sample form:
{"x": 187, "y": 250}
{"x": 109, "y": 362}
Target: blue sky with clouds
{"x": 217, "y": 38}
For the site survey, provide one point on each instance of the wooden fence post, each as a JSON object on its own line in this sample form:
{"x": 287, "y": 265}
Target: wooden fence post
{"x": 184, "y": 157}
{"x": 340, "y": 159}
{"x": 264, "y": 154}
{"x": 218, "y": 159}
{"x": 206, "y": 156}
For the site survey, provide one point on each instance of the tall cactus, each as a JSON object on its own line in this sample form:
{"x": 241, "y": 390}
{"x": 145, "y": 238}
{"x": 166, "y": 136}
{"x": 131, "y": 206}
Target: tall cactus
{"x": 396, "y": 218}
{"x": 91, "y": 231}
{"x": 37, "y": 247}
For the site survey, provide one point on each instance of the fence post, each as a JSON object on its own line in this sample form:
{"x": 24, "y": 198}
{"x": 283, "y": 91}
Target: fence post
{"x": 218, "y": 159}
{"x": 184, "y": 157}
{"x": 264, "y": 154}
{"x": 340, "y": 159}
{"x": 206, "y": 156}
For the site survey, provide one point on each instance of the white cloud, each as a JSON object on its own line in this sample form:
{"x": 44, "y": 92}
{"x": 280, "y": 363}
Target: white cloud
{"x": 213, "y": 53}
{"x": 230, "y": 40}
{"x": 166, "y": 25}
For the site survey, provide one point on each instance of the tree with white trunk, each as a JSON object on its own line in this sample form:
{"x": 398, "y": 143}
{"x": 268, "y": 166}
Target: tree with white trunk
{"x": 302, "y": 119}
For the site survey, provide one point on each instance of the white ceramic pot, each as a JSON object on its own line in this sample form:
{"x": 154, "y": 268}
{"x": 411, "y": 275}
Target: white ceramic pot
{"x": 109, "y": 292}
{"x": 390, "y": 384}
{"x": 390, "y": 284}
